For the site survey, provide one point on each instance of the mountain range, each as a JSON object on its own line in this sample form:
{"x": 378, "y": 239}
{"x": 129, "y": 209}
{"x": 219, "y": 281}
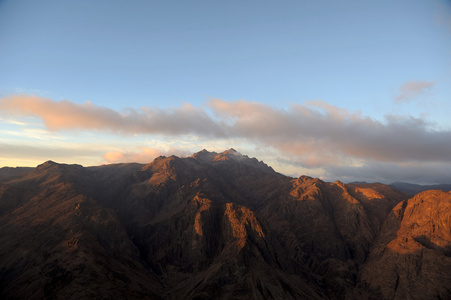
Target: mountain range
{"x": 413, "y": 189}
{"x": 216, "y": 226}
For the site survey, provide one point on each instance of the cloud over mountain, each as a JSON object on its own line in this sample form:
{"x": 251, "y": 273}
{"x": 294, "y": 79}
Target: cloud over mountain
{"x": 313, "y": 135}
{"x": 320, "y": 128}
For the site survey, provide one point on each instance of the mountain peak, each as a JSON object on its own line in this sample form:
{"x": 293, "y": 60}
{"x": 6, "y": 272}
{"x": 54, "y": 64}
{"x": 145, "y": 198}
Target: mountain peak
{"x": 231, "y": 151}
{"x": 208, "y": 156}
{"x": 48, "y": 163}
{"x": 51, "y": 164}
{"x": 230, "y": 154}
{"x": 204, "y": 155}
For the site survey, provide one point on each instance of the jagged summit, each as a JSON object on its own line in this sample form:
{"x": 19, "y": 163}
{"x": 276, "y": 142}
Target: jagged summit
{"x": 204, "y": 155}
{"x": 232, "y": 156}
{"x": 231, "y": 151}
{"x": 207, "y": 156}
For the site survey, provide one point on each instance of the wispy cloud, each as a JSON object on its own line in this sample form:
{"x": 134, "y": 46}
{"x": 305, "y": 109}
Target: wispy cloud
{"x": 412, "y": 90}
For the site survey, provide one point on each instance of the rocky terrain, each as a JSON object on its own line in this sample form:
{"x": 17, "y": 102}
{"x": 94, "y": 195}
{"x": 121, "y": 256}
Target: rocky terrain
{"x": 216, "y": 226}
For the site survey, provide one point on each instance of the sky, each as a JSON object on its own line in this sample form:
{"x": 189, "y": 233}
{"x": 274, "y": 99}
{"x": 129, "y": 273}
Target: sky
{"x": 348, "y": 90}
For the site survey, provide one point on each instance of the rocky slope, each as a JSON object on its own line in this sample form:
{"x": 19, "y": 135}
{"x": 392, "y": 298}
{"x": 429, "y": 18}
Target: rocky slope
{"x": 214, "y": 225}
{"x": 56, "y": 242}
{"x": 412, "y": 257}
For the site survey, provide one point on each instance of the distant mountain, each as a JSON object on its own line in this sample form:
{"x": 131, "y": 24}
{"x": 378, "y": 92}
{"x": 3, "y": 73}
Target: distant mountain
{"x": 216, "y": 225}
{"x": 8, "y": 172}
{"x": 413, "y": 189}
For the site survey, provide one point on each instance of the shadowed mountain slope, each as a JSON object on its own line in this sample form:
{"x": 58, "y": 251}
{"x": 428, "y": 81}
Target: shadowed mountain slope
{"x": 57, "y": 242}
{"x": 214, "y": 225}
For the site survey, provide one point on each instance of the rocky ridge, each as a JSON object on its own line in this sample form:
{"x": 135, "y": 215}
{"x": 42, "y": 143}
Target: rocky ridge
{"x": 216, "y": 225}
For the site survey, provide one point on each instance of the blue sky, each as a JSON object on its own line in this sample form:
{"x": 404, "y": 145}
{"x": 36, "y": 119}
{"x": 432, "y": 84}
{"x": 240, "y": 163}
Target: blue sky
{"x": 384, "y": 65}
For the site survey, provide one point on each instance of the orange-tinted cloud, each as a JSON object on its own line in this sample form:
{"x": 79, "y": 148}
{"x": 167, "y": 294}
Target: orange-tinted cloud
{"x": 316, "y": 134}
{"x": 60, "y": 115}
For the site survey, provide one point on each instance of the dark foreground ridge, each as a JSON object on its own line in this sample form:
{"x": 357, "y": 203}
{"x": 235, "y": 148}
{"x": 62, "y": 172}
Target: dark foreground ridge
{"x": 216, "y": 226}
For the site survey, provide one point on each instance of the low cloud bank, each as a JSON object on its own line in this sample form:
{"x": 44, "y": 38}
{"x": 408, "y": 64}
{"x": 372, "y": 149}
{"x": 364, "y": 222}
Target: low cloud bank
{"x": 313, "y": 135}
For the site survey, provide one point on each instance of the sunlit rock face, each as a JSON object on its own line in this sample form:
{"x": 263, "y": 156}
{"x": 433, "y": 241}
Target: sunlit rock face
{"x": 412, "y": 257}
{"x": 216, "y": 225}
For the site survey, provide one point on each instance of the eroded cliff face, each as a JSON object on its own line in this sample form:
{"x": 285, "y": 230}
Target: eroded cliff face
{"x": 412, "y": 257}
{"x": 212, "y": 226}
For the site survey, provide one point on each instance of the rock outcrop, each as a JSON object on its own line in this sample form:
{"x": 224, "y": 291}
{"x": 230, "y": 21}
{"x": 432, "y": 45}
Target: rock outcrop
{"x": 412, "y": 257}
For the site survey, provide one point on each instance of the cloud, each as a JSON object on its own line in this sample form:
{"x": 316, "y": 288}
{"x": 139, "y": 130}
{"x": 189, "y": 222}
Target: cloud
{"x": 320, "y": 132}
{"x": 315, "y": 135}
{"x": 145, "y": 155}
{"x": 413, "y": 89}
{"x": 59, "y": 115}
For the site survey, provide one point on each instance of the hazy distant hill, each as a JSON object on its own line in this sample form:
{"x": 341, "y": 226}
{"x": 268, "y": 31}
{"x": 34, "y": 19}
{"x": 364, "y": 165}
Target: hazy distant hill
{"x": 217, "y": 225}
{"x": 413, "y": 189}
